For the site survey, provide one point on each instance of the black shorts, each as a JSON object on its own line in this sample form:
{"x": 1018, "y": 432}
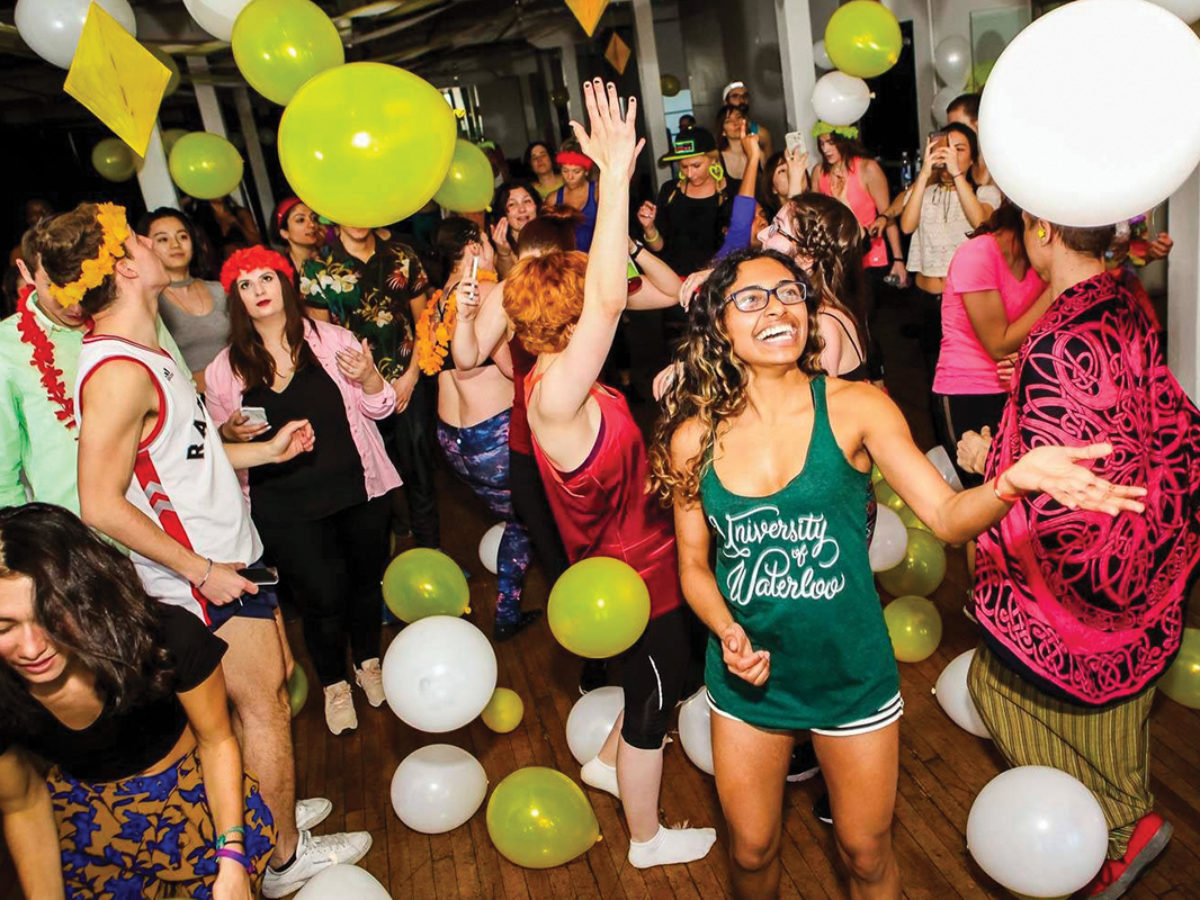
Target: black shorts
{"x": 655, "y": 670}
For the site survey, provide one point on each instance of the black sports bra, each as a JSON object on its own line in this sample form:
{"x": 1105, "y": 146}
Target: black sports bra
{"x": 448, "y": 363}
{"x": 859, "y": 372}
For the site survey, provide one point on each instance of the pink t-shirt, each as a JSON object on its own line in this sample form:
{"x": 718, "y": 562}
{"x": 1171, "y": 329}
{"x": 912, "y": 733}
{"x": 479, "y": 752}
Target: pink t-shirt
{"x": 964, "y": 366}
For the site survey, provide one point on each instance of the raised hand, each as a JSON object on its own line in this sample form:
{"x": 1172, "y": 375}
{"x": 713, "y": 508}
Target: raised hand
{"x": 646, "y": 214}
{"x": 612, "y": 142}
{"x": 1057, "y": 471}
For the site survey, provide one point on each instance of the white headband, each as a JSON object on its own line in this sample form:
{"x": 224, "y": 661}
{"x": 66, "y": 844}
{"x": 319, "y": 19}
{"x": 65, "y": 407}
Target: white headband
{"x": 729, "y": 87}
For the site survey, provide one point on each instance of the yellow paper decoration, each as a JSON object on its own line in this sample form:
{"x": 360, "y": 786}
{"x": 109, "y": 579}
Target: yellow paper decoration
{"x": 588, "y": 12}
{"x": 618, "y": 54}
{"x": 117, "y": 79}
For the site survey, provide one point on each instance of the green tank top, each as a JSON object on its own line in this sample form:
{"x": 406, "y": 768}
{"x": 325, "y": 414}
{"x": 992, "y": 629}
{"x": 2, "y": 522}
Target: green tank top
{"x": 794, "y": 571}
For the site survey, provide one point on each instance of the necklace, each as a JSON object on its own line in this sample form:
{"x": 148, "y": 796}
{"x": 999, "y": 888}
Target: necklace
{"x": 43, "y": 360}
{"x": 433, "y": 335}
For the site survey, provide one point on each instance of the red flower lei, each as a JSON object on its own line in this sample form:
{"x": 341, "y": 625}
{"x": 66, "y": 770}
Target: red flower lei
{"x": 43, "y": 360}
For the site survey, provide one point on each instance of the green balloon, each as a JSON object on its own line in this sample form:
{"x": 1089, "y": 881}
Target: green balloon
{"x": 863, "y": 38}
{"x": 171, "y": 137}
{"x": 205, "y": 166}
{"x": 1182, "y": 681}
{"x": 366, "y": 144}
{"x": 915, "y": 627}
{"x": 539, "y": 818}
{"x": 468, "y": 184}
{"x": 885, "y": 496}
{"x": 424, "y": 582}
{"x": 599, "y": 607}
{"x": 921, "y": 570}
{"x": 504, "y": 711}
{"x": 297, "y": 689}
{"x": 113, "y": 159}
{"x": 165, "y": 58}
{"x": 670, "y": 85}
{"x": 910, "y": 520}
{"x": 278, "y": 45}
{"x": 876, "y": 475}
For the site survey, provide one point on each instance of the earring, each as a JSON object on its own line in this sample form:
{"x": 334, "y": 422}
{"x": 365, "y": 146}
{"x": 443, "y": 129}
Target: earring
{"x": 717, "y": 171}
{"x": 1041, "y": 234}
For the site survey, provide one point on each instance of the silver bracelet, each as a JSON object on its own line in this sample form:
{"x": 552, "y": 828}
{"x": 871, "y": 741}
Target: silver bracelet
{"x": 206, "y": 574}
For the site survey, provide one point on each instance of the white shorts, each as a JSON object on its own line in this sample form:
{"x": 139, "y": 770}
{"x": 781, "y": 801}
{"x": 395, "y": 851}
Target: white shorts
{"x": 890, "y": 712}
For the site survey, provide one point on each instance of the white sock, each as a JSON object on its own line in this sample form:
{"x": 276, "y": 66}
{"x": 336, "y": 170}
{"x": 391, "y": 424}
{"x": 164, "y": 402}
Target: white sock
{"x": 600, "y": 775}
{"x": 672, "y": 845}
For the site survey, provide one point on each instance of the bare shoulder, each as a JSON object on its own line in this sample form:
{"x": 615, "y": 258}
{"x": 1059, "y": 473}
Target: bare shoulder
{"x": 858, "y": 398}
{"x": 688, "y": 439}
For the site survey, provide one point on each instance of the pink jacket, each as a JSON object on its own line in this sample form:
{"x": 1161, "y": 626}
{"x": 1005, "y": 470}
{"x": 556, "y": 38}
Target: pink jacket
{"x": 223, "y": 397}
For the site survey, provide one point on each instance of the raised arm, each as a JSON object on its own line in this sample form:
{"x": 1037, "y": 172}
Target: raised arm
{"x": 29, "y": 828}
{"x": 479, "y": 328}
{"x": 910, "y": 217}
{"x": 660, "y": 284}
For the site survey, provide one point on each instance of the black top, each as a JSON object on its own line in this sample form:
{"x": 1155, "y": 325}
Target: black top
{"x": 693, "y": 229}
{"x": 859, "y": 372}
{"x": 319, "y": 483}
{"x": 448, "y": 362}
{"x": 121, "y": 745}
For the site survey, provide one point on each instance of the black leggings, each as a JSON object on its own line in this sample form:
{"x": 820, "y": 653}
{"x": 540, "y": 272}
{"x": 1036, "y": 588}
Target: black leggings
{"x": 408, "y": 438}
{"x": 335, "y": 564}
{"x": 956, "y": 414}
{"x": 655, "y": 670}
{"x": 533, "y": 509}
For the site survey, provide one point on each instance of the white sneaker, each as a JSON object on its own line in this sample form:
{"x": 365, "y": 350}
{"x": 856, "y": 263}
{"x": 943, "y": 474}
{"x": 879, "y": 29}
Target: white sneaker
{"x": 312, "y": 812}
{"x": 313, "y": 854}
{"x": 370, "y": 679}
{"x": 339, "y": 708}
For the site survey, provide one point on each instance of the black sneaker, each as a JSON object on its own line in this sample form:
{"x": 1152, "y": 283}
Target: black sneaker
{"x": 594, "y": 675}
{"x": 804, "y": 763}
{"x": 821, "y": 809}
{"x": 503, "y": 631}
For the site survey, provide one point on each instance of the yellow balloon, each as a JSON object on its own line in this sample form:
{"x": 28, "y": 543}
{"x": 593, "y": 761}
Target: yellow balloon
{"x": 539, "y": 818}
{"x": 915, "y": 627}
{"x": 280, "y": 44}
{"x": 297, "y": 689}
{"x": 504, "y": 711}
{"x": 1182, "y": 681}
{"x": 468, "y": 185}
{"x": 173, "y": 67}
{"x": 921, "y": 570}
{"x": 885, "y": 496}
{"x": 910, "y": 520}
{"x": 599, "y": 607}
{"x": 113, "y": 159}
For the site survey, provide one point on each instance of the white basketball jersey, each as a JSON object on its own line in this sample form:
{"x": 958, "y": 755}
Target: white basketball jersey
{"x": 182, "y": 479}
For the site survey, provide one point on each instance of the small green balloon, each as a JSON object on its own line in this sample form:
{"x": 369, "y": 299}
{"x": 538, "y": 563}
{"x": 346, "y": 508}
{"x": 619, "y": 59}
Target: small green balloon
{"x": 113, "y": 159}
{"x": 885, "y": 496}
{"x": 670, "y": 85}
{"x": 425, "y": 582}
{"x": 921, "y": 570}
{"x": 171, "y": 137}
{"x": 863, "y": 38}
{"x": 165, "y": 58}
{"x": 504, "y": 711}
{"x": 280, "y": 44}
{"x": 539, "y": 818}
{"x": 468, "y": 184}
{"x": 297, "y": 689}
{"x": 1182, "y": 681}
{"x": 915, "y": 627}
{"x": 599, "y": 607}
{"x": 205, "y": 166}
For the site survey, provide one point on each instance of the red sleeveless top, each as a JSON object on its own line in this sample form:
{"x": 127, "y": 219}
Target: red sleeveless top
{"x": 523, "y": 362}
{"x": 864, "y": 210}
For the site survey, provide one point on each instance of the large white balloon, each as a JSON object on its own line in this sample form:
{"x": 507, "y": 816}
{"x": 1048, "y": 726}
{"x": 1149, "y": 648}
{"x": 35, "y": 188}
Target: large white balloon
{"x": 1188, "y": 10}
{"x": 1046, "y": 125}
{"x": 52, "y": 28}
{"x": 941, "y": 461}
{"x": 439, "y": 673}
{"x": 821, "y": 56}
{"x": 840, "y": 99}
{"x": 951, "y": 692}
{"x": 952, "y": 60}
{"x": 889, "y": 543}
{"x": 342, "y": 881}
{"x": 489, "y": 548}
{"x": 591, "y": 721}
{"x": 695, "y": 730}
{"x": 437, "y": 788}
{"x": 216, "y": 16}
{"x": 1037, "y": 831}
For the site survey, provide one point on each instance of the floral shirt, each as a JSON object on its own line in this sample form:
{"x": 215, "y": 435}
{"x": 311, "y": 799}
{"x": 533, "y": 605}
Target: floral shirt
{"x": 372, "y": 298}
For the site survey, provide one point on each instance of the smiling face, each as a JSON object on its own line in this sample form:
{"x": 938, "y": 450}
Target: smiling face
{"x": 24, "y": 644}
{"x": 774, "y": 335}
{"x": 540, "y": 161}
{"x": 173, "y": 244}
{"x": 520, "y": 208}
{"x": 779, "y": 234}
{"x": 300, "y": 227}
{"x": 261, "y": 293}
{"x": 574, "y": 176}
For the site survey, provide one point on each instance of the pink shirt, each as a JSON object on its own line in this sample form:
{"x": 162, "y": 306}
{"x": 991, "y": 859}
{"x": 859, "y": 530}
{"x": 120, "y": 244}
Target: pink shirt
{"x": 964, "y": 366}
{"x": 223, "y": 397}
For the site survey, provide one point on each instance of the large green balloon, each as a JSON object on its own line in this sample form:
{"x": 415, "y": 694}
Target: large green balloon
{"x": 113, "y": 159}
{"x": 921, "y": 570}
{"x": 915, "y": 627}
{"x": 539, "y": 818}
{"x": 599, "y": 607}
{"x": 280, "y": 44}
{"x": 297, "y": 689}
{"x": 366, "y": 144}
{"x": 424, "y": 582}
{"x": 205, "y": 166}
{"x": 468, "y": 185}
{"x": 1182, "y": 681}
{"x": 863, "y": 38}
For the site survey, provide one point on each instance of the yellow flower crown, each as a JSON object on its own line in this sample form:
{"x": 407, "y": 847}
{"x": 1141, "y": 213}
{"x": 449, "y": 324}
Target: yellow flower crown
{"x": 93, "y": 271}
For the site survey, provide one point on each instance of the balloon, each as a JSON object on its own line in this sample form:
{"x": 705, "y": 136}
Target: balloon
{"x": 366, "y": 144}
{"x": 1182, "y": 680}
{"x": 591, "y": 721}
{"x": 504, "y": 711}
{"x": 670, "y": 85}
{"x": 941, "y": 103}
{"x": 921, "y": 570}
{"x": 1188, "y": 10}
{"x": 953, "y": 696}
{"x": 840, "y": 99}
{"x": 469, "y": 183}
{"x": 278, "y": 45}
{"x": 342, "y": 881}
{"x": 599, "y": 607}
{"x": 113, "y": 159}
{"x": 941, "y": 461}
{"x": 425, "y": 582}
{"x": 52, "y": 28}
{"x": 539, "y": 818}
{"x": 216, "y": 16}
{"x": 909, "y": 519}
{"x": 205, "y": 166}
{"x": 890, "y": 541}
{"x": 876, "y": 475}
{"x": 1045, "y": 119}
{"x": 821, "y": 56}
{"x": 297, "y": 689}
{"x": 437, "y": 788}
{"x": 915, "y": 627}
{"x": 167, "y": 60}
{"x": 489, "y": 547}
{"x": 952, "y": 60}
{"x": 863, "y": 39}
{"x": 885, "y": 496}
{"x": 1037, "y": 830}
{"x": 695, "y": 730}
{"x": 439, "y": 674}
{"x": 171, "y": 137}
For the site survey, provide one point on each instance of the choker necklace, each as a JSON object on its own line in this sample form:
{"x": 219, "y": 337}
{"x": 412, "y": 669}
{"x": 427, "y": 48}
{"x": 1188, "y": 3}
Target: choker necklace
{"x": 43, "y": 360}
{"x": 183, "y": 283}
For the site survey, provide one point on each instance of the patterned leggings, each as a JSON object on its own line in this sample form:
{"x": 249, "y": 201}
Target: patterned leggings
{"x": 479, "y": 454}
{"x": 150, "y": 836}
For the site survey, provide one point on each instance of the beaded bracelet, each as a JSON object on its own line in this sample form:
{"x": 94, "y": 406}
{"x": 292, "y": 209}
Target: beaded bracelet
{"x": 223, "y": 837}
{"x": 240, "y": 858}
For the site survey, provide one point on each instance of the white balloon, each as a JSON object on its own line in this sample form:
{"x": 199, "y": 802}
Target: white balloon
{"x": 941, "y": 461}
{"x": 591, "y": 721}
{"x": 342, "y": 881}
{"x": 840, "y": 99}
{"x": 1037, "y": 831}
{"x": 941, "y": 102}
{"x": 1188, "y": 10}
{"x": 437, "y": 788}
{"x": 821, "y": 56}
{"x": 952, "y": 60}
{"x": 951, "y": 692}
{"x": 489, "y": 548}
{"x": 439, "y": 673}
{"x": 695, "y": 730}
{"x": 1045, "y": 121}
{"x": 889, "y": 543}
{"x": 216, "y": 16}
{"x": 52, "y": 28}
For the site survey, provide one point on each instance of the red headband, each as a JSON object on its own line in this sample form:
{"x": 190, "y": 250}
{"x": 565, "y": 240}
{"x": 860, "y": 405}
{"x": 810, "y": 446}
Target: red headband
{"x": 257, "y": 257}
{"x": 574, "y": 158}
{"x": 284, "y": 208}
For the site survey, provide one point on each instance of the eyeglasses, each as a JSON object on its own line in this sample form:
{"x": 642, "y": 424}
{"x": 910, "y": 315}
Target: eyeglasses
{"x": 754, "y": 298}
{"x": 776, "y": 229}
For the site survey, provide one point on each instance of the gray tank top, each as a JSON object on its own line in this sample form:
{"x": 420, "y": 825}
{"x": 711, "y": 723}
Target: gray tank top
{"x": 200, "y": 338}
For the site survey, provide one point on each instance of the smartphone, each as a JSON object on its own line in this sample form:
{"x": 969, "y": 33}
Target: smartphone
{"x": 794, "y": 141}
{"x": 752, "y": 128}
{"x": 255, "y": 415}
{"x": 938, "y": 139}
{"x": 474, "y": 268}
{"x": 261, "y": 575}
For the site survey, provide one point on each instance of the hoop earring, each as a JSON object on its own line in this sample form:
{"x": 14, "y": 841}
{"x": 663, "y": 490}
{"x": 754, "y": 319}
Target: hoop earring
{"x": 717, "y": 171}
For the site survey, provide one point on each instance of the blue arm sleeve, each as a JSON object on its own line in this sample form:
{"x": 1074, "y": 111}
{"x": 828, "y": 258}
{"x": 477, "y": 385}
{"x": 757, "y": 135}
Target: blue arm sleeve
{"x": 741, "y": 220}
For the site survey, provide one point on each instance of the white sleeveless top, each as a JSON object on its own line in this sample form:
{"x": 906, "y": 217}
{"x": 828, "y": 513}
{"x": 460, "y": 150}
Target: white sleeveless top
{"x": 182, "y": 479}
{"x": 943, "y": 228}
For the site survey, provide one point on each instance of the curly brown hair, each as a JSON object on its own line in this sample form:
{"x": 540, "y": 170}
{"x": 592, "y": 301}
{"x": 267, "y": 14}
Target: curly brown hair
{"x": 543, "y": 296}
{"x": 711, "y": 380}
{"x": 64, "y": 242}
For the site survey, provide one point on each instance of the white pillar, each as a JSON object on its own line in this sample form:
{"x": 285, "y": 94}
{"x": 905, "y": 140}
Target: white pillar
{"x": 153, "y": 176}
{"x": 210, "y": 109}
{"x": 1183, "y": 286}
{"x": 799, "y": 70}
{"x": 651, "y": 78}
{"x": 258, "y": 163}
{"x": 570, "y": 70}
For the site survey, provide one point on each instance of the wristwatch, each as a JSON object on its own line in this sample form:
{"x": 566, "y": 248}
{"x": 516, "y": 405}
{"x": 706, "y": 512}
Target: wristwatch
{"x": 638, "y": 247}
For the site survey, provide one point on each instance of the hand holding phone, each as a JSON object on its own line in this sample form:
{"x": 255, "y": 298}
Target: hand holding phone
{"x": 794, "y": 141}
{"x": 260, "y": 575}
{"x": 255, "y": 415}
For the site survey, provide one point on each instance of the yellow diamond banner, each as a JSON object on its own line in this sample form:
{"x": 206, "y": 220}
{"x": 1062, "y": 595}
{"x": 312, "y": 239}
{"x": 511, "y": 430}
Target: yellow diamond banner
{"x": 618, "y": 54}
{"x": 588, "y": 12}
